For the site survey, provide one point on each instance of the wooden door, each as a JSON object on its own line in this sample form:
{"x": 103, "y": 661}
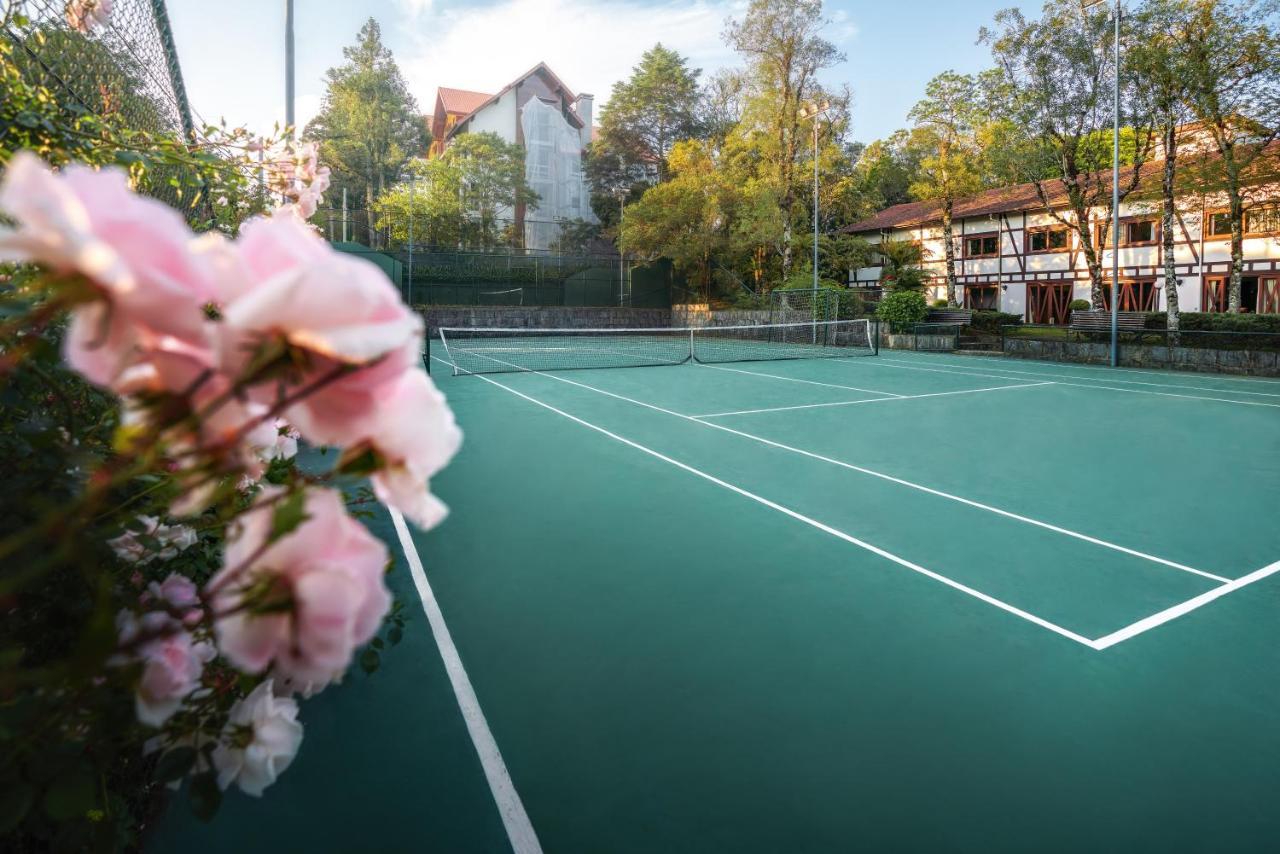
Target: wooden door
{"x": 1048, "y": 303}
{"x": 1213, "y": 294}
{"x": 1269, "y": 295}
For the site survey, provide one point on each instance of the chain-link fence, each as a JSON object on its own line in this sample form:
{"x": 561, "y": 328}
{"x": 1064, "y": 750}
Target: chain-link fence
{"x": 114, "y": 60}
{"x": 442, "y": 277}
{"x": 530, "y": 234}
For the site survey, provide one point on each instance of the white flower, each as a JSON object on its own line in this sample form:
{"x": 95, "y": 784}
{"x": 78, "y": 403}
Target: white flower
{"x": 172, "y": 539}
{"x": 261, "y": 738}
{"x": 86, "y": 15}
{"x": 285, "y": 446}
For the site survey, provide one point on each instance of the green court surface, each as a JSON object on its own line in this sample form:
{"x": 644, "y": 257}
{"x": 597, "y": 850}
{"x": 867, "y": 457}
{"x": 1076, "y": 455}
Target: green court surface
{"x": 905, "y": 602}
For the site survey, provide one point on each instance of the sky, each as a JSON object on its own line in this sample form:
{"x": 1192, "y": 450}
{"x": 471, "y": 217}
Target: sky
{"x": 232, "y": 51}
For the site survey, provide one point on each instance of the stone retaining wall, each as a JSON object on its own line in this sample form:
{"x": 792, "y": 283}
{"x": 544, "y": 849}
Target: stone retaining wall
{"x": 1254, "y": 362}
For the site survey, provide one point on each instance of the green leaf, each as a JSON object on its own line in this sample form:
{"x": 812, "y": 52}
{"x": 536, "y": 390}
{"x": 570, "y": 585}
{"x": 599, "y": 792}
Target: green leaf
{"x": 175, "y": 764}
{"x": 15, "y": 803}
{"x": 369, "y": 660}
{"x": 359, "y": 461}
{"x": 205, "y": 796}
{"x": 288, "y": 515}
{"x": 71, "y": 795}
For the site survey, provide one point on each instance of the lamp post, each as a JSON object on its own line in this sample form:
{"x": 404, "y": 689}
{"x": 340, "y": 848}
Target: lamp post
{"x": 620, "y": 193}
{"x": 814, "y": 111}
{"x": 1115, "y": 193}
{"x": 288, "y": 64}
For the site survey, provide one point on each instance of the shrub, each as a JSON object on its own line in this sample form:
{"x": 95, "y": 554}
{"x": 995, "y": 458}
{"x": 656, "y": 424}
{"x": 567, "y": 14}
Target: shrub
{"x": 940, "y": 303}
{"x": 851, "y": 305}
{"x": 902, "y": 310}
{"x": 1081, "y": 305}
{"x": 991, "y": 321}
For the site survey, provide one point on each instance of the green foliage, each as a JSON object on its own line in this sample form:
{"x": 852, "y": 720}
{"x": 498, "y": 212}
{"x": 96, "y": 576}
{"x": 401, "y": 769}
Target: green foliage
{"x": 455, "y": 199}
{"x": 902, "y": 310}
{"x": 1080, "y": 305}
{"x": 368, "y": 126}
{"x": 991, "y": 321}
{"x": 940, "y": 303}
{"x": 645, "y": 116}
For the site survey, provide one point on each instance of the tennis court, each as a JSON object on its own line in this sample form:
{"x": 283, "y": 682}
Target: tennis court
{"x": 896, "y": 602}
{"x": 906, "y": 601}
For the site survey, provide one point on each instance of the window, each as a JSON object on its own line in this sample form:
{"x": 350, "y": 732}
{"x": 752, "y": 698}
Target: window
{"x": 1047, "y": 239}
{"x": 1262, "y": 220}
{"x": 1218, "y": 224}
{"x": 982, "y": 297}
{"x": 1137, "y": 232}
{"x": 982, "y": 246}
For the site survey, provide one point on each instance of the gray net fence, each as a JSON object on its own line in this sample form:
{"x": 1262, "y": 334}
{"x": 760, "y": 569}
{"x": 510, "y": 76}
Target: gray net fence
{"x": 121, "y": 66}
{"x": 443, "y": 277}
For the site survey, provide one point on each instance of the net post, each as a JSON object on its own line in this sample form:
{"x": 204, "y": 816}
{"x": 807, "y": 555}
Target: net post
{"x": 692, "y": 357}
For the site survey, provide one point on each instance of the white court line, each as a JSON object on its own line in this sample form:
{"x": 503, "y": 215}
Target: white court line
{"x": 1159, "y": 619}
{"x": 882, "y": 362}
{"x": 835, "y": 532}
{"x": 519, "y": 829}
{"x": 1099, "y": 370}
{"x": 872, "y": 400}
{"x": 1099, "y": 644}
{"x": 798, "y": 380}
{"x": 891, "y": 479}
{"x": 1048, "y": 372}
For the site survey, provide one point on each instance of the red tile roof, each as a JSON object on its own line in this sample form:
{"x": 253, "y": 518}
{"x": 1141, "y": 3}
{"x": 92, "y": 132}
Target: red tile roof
{"x": 460, "y": 100}
{"x": 1023, "y": 197}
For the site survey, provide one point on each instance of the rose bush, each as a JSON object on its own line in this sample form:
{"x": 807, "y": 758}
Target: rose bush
{"x": 201, "y": 578}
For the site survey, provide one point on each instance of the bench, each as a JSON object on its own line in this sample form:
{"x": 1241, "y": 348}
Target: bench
{"x": 1098, "y": 321}
{"x": 961, "y": 316}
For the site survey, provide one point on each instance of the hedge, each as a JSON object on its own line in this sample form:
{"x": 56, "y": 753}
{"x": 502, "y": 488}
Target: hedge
{"x": 991, "y": 321}
{"x": 1201, "y": 321}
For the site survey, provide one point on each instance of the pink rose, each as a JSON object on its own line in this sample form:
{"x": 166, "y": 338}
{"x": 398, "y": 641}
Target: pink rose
{"x": 133, "y": 249}
{"x": 324, "y": 581}
{"x": 172, "y": 670}
{"x": 411, "y": 429}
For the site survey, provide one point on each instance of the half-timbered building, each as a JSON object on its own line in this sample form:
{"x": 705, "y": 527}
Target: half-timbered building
{"x": 1013, "y": 255}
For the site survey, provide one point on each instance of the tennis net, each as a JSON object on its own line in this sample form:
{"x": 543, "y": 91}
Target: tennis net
{"x": 475, "y": 350}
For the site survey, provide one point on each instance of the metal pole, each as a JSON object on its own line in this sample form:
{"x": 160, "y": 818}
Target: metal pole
{"x": 413, "y": 179}
{"x": 344, "y": 214}
{"x": 815, "y": 205}
{"x": 622, "y": 256}
{"x": 1115, "y": 208}
{"x": 288, "y": 63}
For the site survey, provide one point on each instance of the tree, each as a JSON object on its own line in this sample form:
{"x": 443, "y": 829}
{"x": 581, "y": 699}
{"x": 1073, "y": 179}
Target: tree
{"x": 368, "y": 126}
{"x": 652, "y": 110}
{"x": 1232, "y": 64}
{"x": 1054, "y": 85}
{"x": 685, "y": 218}
{"x": 944, "y": 132}
{"x": 1160, "y": 59}
{"x": 459, "y": 197}
{"x": 880, "y": 177}
{"x": 784, "y": 51}
{"x": 492, "y": 178}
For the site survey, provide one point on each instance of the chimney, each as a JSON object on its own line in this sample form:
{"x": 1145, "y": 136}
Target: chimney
{"x": 583, "y": 107}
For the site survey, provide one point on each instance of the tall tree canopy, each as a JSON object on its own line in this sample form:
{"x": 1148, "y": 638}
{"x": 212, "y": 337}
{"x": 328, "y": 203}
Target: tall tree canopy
{"x": 1233, "y": 88}
{"x": 945, "y": 132}
{"x": 368, "y": 126}
{"x": 1055, "y": 81}
{"x": 782, "y": 43}
{"x": 647, "y": 114}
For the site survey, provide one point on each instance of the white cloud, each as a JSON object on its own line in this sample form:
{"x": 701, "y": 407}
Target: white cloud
{"x": 589, "y": 45}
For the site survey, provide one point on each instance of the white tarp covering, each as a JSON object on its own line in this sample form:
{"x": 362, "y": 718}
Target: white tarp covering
{"x": 553, "y": 168}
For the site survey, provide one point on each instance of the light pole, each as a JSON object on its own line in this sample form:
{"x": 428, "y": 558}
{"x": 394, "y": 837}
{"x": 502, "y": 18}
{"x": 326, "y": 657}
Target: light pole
{"x": 288, "y": 64}
{"x": 815, "y": 111}
{"x": 413, "y": 180}
{"x": 621, "y": 193}
{"x": 1115, "y": 193}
